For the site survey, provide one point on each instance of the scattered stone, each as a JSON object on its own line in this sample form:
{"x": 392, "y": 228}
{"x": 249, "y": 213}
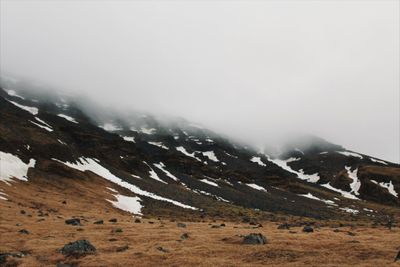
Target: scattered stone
{"x": 112, "y": 239}
{"x": 162, "y": 249}
{"x": 222, "y": 225}
{"x": 137, "y": 220}
{"x": 284, "y": 226}
{"x": 336, "y": 230}
{"x": 80, "y": 229}
{"x": 117, "y": 230}
{"x": 64, "y": 202}
{"x": 18, "y": 224}
{"x": 182, "y": 225}
{"x": 65, "y": 265}
{"x": 23, "y": 231}
{"x": 185, "y": 236}
{"x": 78, "y": 248}
{"x": 254, "y": 239}
{"x": 308, "y": 229}
{"x": 151, "y": 222}
{"x": 41, "y": 220}
{"x": 99, "y": 222}
{"x": 4, "y": 256}
{"x": 292, "y": 232}
{"x": 113, "y": 220}
{"x": 215, "y": 226}
{"x": 74, "y": 222}
{"x": 351, "y": 233}
{"x": 122, "y": 249}
{"x": 22, "y": 212}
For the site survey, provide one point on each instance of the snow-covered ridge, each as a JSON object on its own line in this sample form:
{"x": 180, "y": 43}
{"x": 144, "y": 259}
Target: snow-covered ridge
{"x": 93, "y": 165}
{"x": 13, "y": 167}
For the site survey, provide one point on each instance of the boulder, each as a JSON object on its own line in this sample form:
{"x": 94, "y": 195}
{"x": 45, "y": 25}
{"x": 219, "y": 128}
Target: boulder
{"x": 182, "y": 225}
{"x": 113, "y": 220}
{"x": 255, "y": 239}
{"x": 99, "y": 222}
{"x": 74, "y": 222}
{"x": 78, "y": 248}
{"x": 23, "y": 231}
{"x": 284, "y": 226}
{"x": 308, "y": 229}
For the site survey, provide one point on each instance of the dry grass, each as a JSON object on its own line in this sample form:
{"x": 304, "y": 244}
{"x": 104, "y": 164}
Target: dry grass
{"x": 204, "y": 247}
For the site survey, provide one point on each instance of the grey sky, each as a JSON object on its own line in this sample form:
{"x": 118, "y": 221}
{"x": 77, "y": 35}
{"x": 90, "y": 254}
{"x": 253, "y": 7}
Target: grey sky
{"x": 253, "y": 70}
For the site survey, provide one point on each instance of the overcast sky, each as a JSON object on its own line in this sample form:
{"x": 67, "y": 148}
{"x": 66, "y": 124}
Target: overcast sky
{"x": 251, "y": 69}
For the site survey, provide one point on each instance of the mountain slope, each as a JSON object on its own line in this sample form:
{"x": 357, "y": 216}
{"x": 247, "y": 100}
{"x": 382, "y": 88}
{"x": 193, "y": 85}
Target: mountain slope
{"x": 181, "y": 168}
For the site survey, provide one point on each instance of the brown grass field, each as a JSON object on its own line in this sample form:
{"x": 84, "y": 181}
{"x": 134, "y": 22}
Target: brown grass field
{"x": 44, "y": 219}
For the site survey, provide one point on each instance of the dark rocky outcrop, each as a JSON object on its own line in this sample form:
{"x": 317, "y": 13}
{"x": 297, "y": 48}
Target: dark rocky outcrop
{"x": 78, "y": 248}
{"x": 255, "y": 239}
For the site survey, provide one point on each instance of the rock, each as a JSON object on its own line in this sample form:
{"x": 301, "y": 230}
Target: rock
{"x": 112, "y": 239}
{"x": 4, "y": 256}
{"x": 308, "y": 229}
{"x": 222, "y": 225}
{"x": 336, "y": 230}
{"x": 182, "y": 225}
{"x": 137, "y": 220}
{"x": 397, "y": 257}
{"x": 99, "y": 222}
{"x": 74, "y": 222}
{"x": 65, "y": 265}
{"x": 254, "y": 239}
{"x": 80, "y": 229}
{"x": 351, "y": 233}
{"x": 113, "y": 220}
{"x": 22, "y": 212}
{"x": 64, "y": 202}
{"x": 151, "y": 222}
{"x": 162, "y": 249}
{"x": 215, "y": 226}
{"x": 284, "y": 226}
{"x": 18, "y": 224}
{"x": 117, "y": 230}
{"x": 185, "y": 236}
{"x": 78, "y": 248}
{"x": 122, "y": 249}
{"x": 23, "y": 231}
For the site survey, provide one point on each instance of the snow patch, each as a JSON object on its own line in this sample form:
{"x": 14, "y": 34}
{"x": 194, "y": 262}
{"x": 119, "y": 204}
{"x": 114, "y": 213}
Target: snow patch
{"x": 161, "y": 166}
{"x": 147, "y": 130}
{"x": 378, "y": 161}
{"x": 159, "y": 144}
{"x": 34, "y": 111}
{"x": 13, "y": 167}
{"x": 350, "y": 154}
{"x": 88, "y": 164}
{"x": 258, "y": 160}
{"x": 209, "y": 182}
{"x": 210, "y": 155}
{"x": 349, "y": 210}
{"x": 311, "y": 178}
{"x": 109, "y": 127}
{"x": 13, "y": 93}
{"x": 343, "y": 193}
{"x": 41, "y": 126}
{"x": 129, "y": 204}
{"x": 389, "y": 186}
{"x": 68, "y": 118}
{"x": 257, "y": 187}
{"x": 129, "y": 138}
{"x": 183, "y": 151}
